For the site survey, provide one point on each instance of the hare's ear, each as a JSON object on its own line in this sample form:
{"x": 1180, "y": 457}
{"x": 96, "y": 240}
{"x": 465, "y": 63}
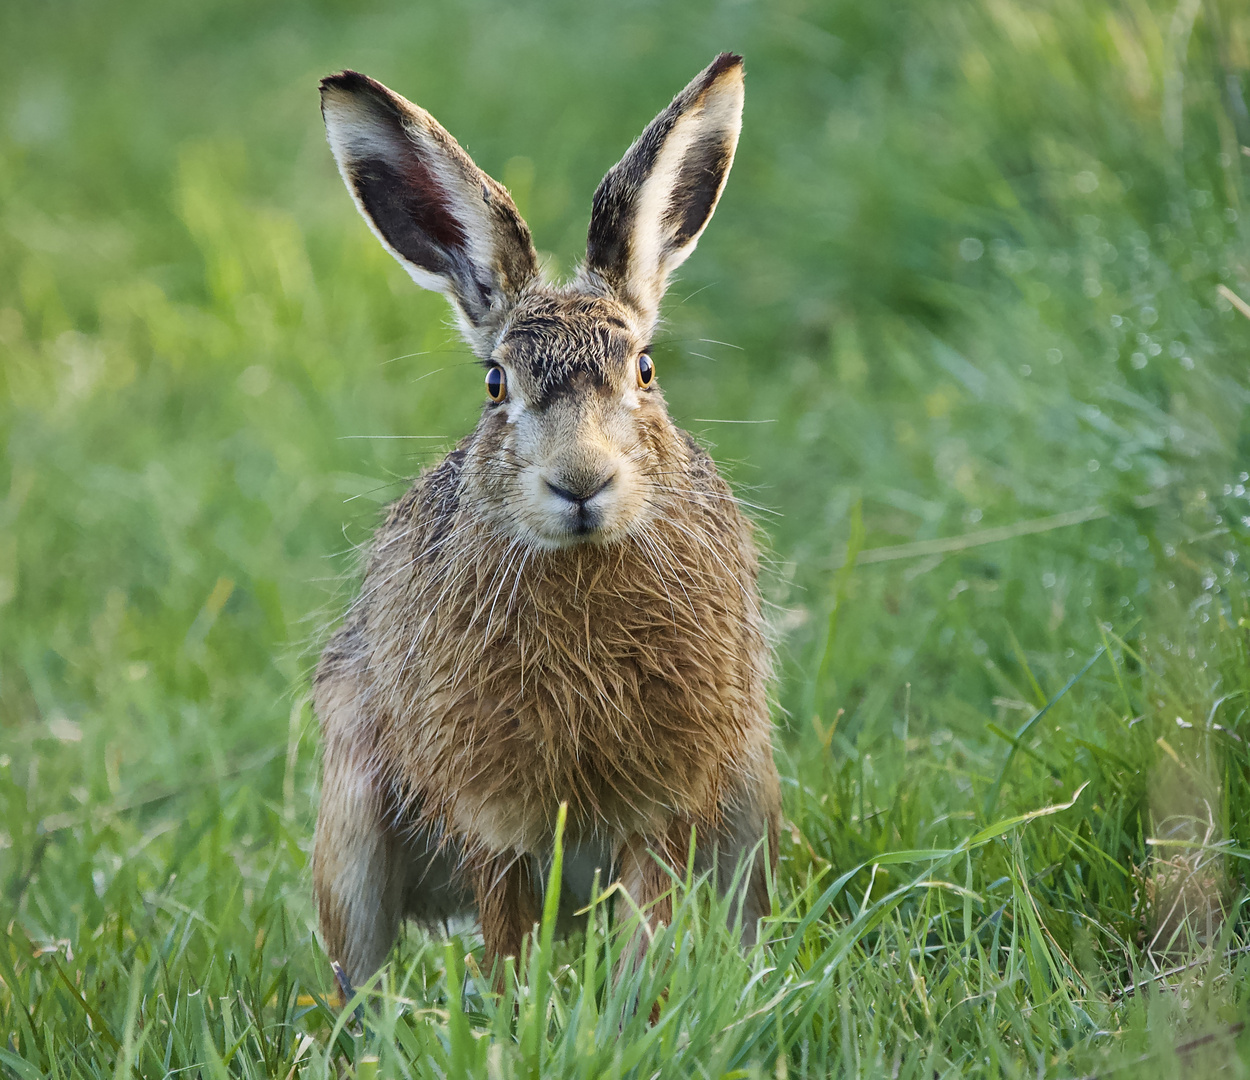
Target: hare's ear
{"x": 454, "y": 229}
{"x": 652, "y": 207}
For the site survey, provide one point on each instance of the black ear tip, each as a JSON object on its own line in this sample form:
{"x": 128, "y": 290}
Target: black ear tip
{"x": 344, "y": 80}
{"x": 349, "y": 83}
{"x": 352, "y": 88}
{"x": 723, "y": 63}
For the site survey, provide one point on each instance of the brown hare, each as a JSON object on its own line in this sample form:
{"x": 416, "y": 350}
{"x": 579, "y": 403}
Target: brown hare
{"x": 565, "y": 609}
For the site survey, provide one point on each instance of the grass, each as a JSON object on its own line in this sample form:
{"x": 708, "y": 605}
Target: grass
{"x": 999, "y": 428}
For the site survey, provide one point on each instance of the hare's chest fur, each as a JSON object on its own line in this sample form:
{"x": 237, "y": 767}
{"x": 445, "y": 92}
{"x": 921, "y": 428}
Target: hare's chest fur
{"x": 513, "y": 682}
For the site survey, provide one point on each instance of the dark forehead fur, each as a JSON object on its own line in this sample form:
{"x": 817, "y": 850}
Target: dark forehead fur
{"x": 553, "y": 339}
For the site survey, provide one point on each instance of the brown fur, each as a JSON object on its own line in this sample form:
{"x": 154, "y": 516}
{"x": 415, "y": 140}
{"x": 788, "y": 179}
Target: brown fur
{"x": 486, "y": 675}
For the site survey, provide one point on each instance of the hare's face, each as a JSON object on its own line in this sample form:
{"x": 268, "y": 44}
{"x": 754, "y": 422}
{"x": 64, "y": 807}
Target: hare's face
{"x": 573, "y": 450}
{"x": 578, "y": 447}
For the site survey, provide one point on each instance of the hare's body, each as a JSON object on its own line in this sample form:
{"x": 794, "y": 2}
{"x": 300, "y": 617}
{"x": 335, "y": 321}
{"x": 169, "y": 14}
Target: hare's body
{"x": 564, "y": 610}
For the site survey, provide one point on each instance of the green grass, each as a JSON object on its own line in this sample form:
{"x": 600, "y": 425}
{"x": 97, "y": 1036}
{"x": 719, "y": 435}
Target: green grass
{"x": 968, "y": 269}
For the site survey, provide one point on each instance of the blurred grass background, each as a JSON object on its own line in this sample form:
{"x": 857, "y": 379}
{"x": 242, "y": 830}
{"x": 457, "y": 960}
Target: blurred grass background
{"x": 966, "y": 276}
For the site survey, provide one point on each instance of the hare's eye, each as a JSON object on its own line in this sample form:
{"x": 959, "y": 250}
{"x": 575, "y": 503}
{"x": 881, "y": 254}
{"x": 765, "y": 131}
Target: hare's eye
{"x": 496, "y": 384}
{"x": 646, "y": 370}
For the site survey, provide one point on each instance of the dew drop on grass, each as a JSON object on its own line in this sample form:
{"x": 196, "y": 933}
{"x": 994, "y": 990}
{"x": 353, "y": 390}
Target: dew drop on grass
{"x": 65, "y": 730}
{"x": 1085, "y": 182}
{"x": 42, "y": 113}
{"x": 254, "y": 380}
{"x": 1023, "y": 261}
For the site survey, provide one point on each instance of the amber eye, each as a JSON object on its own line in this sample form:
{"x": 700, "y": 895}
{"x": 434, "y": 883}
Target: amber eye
{"x": 496, "y": 384}
{"x": 646, "y": 370}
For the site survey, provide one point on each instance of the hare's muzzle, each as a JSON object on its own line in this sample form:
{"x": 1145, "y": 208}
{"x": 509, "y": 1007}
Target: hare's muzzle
{"x": 579, "y": 499}
{"x": 580, "y": 480}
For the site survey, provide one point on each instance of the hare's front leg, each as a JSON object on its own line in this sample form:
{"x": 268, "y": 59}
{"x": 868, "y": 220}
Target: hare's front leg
{"x": 356, "y": 877}
{"x": 507, "y": 902}
{"x": 645, "y": 868}
{"x": 743, "y": 843}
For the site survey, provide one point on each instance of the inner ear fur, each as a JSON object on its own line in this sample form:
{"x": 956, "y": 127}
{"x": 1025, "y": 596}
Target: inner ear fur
{"x": 452, "y": 227}
{"x": 654, "y": 204}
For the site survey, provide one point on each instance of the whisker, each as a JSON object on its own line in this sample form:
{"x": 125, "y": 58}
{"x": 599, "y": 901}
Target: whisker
{"x": 375, "y": 490}
{"x": 407, "y": 356}
{"x": 709, "y": 285}
{"x": 735, "y": 499}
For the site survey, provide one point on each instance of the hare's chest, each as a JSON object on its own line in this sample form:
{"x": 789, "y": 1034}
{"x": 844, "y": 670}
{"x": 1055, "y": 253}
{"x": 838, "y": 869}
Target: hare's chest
{"x": 625, "y": 743}
{"x": 628, "y": 709}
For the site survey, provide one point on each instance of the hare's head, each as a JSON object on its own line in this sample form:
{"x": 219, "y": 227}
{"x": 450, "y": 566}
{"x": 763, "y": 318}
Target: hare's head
{"x": 574, "y": 444}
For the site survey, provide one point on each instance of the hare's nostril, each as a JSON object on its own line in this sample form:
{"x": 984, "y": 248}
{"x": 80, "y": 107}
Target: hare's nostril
{"x": 564, "y": 493}
{"x": 580, "y": 489}
{"x": 603, "y": 484}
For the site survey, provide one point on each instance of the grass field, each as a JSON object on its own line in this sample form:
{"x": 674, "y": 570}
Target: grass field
{"x": 970, "y": 327}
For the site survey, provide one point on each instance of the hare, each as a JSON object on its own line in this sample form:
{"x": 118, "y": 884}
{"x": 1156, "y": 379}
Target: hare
{"x": 565, "y": 609}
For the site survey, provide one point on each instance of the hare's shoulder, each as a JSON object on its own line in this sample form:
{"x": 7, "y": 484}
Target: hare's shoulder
{"x": 421, "y": 519}
{"x": 414, "y": 528}
{"x": 712, "y": 491}
{"x": 701, "y": 471}
{"x": 434, "y": 495}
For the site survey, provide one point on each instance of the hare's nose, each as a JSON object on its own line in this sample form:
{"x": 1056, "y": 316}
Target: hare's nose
{"x": 580, "y": 489}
